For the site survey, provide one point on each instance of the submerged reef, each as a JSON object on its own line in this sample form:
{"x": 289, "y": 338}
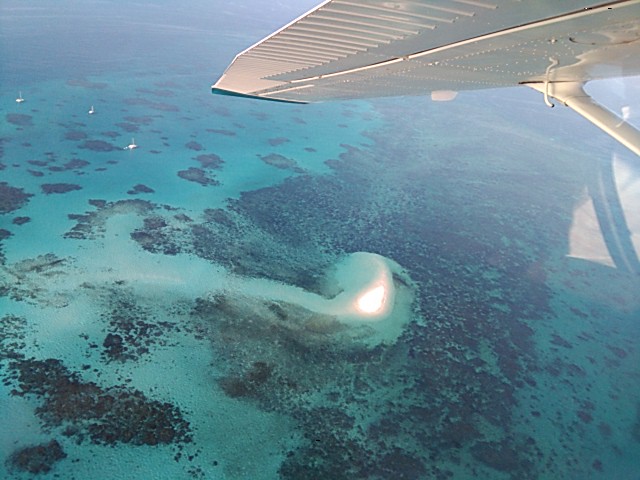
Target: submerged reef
{"x": 445, "y": 396}
{"x": 26, "y": 280}
{"x": 140, "y": 188}
{"x": 132, "y": 329}
{"x": 49, "y": 188}
{"x": 21, "y": 220}
{"x": 99, "y": 146}
{"x": 37, "y": 458}
{"x": 197, "y": 175}
{"x": 80, "y": 409}
{"x": 281, "y": 162}
{"x": 20, "y": 119}
{"x": 193, "y": 145}
{"x": 163, "y": 107}
{"x": 75, "y": 135}
{"x": 12, "y": 198}
{"x": 91, "y": 224}
{"x": 468, "y": 351}
{"x": 274, "y": 142}
{"x": 210, "y": 160}
{"x": 93, "y": 413}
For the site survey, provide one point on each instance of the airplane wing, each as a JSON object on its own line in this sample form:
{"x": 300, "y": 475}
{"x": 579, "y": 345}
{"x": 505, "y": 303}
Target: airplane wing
{"x": 347, "y": 49}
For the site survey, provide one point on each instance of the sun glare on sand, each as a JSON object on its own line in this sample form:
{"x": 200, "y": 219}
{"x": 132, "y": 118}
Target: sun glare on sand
{"x": 372, "y": 301}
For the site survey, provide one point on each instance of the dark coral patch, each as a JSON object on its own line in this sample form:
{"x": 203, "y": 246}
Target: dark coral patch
{"x": 91, "y": 224}
{"x": 635, "y": 428}
{"x": 197, "y": 175}
{"x": 20, "y": 119}
{"x": 158, "y": 93}
{"x": 274, "y": 142}
{"x": 128, "y": 127}
{"x": 159, "y": 236}
{"x": 584, "y": 416}
{"x": 133, "y": 328}
{"x": 192, "y": 145}
{"x": 140, "y": 188}
{"x": 248, "y": 384}
{"x": 75, "y": 135}
{"x": 221, "y": 131}
{"x": 49, "y": 188}
{"x": 21, "y": 220}
{"x": 163, "y": 107}
{"x": 38, "y": 458}
{"x": 38, "y": 163}
{"x": 12, "y": 198}
{"x": 617, "y": 351}
{"x": 499, "y": 456}
{"x": 105, "y": 415}
{"x": 84, "y": 83}
{"x": 281, "y": 162}
{"x": 99, "y": 146}
{"x": 559, "y": 341}
{"x": 75, "y": 163}
{"x": 210, "y": 160}
{"x": 142, "y": 120}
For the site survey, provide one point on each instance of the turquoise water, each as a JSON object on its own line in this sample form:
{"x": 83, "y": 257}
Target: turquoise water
{"x": 192, "y": 308}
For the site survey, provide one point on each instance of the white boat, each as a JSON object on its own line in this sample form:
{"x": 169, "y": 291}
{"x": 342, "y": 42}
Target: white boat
{"x": 91, "y": 110}
{"x": 20, "y": 99}
{"x": 132, "y": 145}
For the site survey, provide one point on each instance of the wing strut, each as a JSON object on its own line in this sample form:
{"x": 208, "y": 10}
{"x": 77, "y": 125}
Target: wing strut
{"x": 573, "y": 96}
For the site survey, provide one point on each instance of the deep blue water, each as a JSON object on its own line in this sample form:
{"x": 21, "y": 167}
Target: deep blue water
{"x": 189, "y": 308}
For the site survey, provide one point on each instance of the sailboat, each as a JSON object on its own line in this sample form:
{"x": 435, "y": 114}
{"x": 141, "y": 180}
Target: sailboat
{"x": 132, "y": 145}
{"x": 91, "y": 110}
{"x": 20, "y": 99}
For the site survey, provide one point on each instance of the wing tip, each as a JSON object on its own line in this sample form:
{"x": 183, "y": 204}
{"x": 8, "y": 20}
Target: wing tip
{"x": 230, "y": 93}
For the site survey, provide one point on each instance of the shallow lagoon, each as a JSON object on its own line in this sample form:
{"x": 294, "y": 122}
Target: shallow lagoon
{"x": 139, "y": 338}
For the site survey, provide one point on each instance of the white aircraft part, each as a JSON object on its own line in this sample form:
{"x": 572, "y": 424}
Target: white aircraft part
{"x": 347, "y": 49}
{"x": 573, "y": 96}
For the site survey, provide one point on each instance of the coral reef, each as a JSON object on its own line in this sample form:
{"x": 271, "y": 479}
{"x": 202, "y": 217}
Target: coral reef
{"x": 90, "y": 412}
{"x": 19, "y": 119}
{"x": 21, "y": 220}
{"x": 140, "y": 188}
{"x": 99, "y": 146}
{"x": 91, "y": 224}
{"x": 49, "y": 188}
{"x": 12, "y": 198}
{"x": 197, "y": 175}
{"x": 222, "y": 131}
{"x": 210, "y": 160}
{"x": 25, "y": 280}
{"x": 281, "y": 162}
{"x": 38, "y": 458}
{"x": 81, "y": 409}
{"x": 274, "y": 142}
{"x": 132, "y": 329}
{"x": 163, "y": 107}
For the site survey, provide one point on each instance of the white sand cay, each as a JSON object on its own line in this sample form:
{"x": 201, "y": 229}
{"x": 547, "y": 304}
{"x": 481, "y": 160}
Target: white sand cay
{"x": 369, "y": 301}
{"x": 361, "y": 291}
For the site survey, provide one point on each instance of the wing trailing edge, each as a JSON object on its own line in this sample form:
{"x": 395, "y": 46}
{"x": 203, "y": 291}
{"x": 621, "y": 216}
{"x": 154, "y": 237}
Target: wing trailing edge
{"x": 348, "y": 49}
